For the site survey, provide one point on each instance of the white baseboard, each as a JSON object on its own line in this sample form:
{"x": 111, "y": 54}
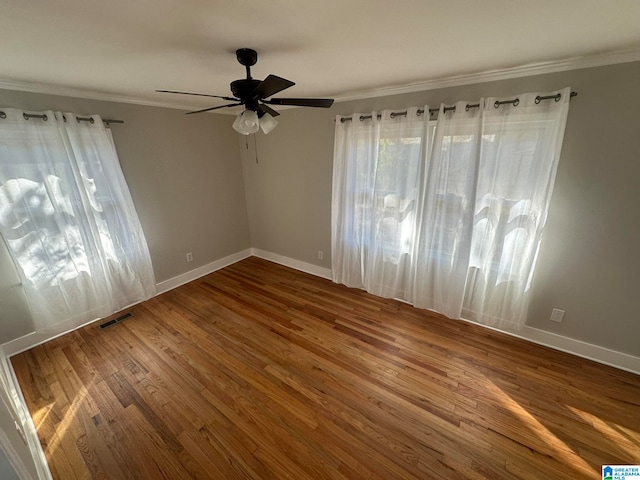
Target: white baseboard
{"x": 33, "y": 339}
{"x": 606, "y": 356}
{"x": 582, "y": 349}
{"x": 599, "y": 354}
{"x": 192, "y": 275}
{"x": 579, "y": 348}
{"x": 293, "y": 263}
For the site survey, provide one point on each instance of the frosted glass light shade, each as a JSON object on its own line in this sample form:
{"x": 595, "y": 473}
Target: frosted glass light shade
{"x": 268, "y": 123}
{"x": 237, "y": 125}
{"x": 247, "y": 122}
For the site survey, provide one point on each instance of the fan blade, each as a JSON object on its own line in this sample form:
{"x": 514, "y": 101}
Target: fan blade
{"x": 214, "y": 108}
{"x": 270, "y": 86}
{"x": 268, "y": 109}
{"x": 302, "y": 102}
{"x": 231, "y": 99}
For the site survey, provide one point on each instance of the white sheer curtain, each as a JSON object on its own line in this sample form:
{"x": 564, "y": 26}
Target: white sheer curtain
{"x": 376, "y": 178}
{"x": 480, "y": 186}
{"x": 517, "y": 170}
{"x": 68, "y": 220}
{"x": 441, "y": 259}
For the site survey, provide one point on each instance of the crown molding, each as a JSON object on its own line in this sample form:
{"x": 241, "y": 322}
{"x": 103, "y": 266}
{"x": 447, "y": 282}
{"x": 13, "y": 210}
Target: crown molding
{"x": 574, "y": 63}
{"x": 87, "y": 94}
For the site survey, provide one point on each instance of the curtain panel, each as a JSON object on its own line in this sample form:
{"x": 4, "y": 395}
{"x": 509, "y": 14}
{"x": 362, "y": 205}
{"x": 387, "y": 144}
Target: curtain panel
{"x": 68, "y": 220}
{"x": 448, "y": 214}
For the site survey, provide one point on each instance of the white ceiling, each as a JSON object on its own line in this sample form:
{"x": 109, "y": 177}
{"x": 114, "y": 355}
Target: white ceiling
{"x": 125, "y": 49}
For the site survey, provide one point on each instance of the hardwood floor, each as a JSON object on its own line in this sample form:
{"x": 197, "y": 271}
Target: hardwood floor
{"x": 262, "y": 372}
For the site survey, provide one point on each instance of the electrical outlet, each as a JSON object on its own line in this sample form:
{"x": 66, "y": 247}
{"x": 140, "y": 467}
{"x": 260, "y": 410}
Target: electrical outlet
{"x": 320, "y": 255}
{"x": 557, "y": 315}
{"x": 189, "y": 257}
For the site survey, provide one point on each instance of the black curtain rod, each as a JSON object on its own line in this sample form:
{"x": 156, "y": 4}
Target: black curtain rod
{"x": 497, "y": 103}
{"x": 44, "y": 117}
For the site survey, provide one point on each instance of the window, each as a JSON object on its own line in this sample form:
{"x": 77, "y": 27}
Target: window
{"x": 68, "y": 220}
{"x": 447, "y": 214}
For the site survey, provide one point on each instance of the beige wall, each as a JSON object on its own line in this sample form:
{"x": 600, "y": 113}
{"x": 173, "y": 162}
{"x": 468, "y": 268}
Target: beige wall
{"x": 185, "y": 177}
{"x": 589, "y": 259}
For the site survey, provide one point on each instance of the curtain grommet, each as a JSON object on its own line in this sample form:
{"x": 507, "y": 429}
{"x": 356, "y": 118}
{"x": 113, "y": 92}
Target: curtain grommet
{"x": 26, "y": 116}
{"x": 3, "y": 115}
{"x": 515, "y": 102}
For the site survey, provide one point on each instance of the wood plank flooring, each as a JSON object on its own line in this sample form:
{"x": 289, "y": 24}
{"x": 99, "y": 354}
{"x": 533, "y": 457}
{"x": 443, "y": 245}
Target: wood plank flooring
{"x": 258, "y": 371}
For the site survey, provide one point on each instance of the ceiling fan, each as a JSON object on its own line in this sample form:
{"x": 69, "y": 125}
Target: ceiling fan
{"x": 255, "y": 96}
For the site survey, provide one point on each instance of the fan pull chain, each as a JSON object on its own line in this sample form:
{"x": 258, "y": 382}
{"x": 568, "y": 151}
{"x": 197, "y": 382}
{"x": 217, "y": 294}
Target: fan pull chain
{"x": 255, "y": 147}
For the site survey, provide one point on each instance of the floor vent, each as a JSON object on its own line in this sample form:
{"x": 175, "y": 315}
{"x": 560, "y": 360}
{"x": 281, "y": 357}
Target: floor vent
{"x": 115, "y": 320}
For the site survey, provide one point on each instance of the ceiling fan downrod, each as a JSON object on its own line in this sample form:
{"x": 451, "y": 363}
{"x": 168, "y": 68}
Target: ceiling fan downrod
{"x": 247, "y": 57}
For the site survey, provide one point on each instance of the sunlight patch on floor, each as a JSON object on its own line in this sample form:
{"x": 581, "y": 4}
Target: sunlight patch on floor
{"x": 63, "y": 426}
{"x": 41, "y": 415}
{"x": 624, "y": 438}
{"x": 561, "y": 451}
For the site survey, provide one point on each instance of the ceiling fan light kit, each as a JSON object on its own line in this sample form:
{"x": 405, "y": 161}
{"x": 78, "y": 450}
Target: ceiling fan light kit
{"x": 255, "y": 95}
{"x": 267, "y": 123}
{"x": 248, "y": 122}
{"x": 245, "y": 125}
